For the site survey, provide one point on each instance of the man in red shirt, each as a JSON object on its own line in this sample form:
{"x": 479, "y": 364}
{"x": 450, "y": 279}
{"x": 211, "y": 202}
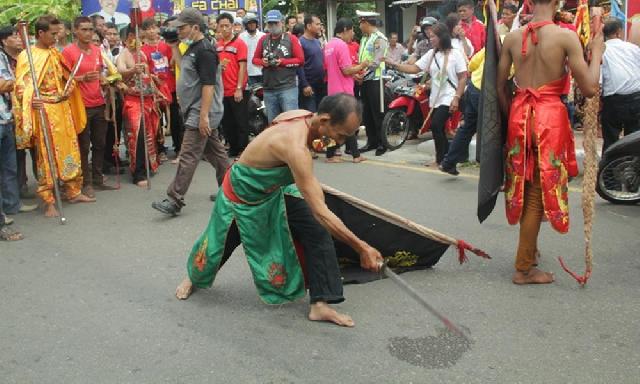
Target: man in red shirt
{"x": 89, "y": 81}
{"x": 158, "y": 55}
{"x": 232, "y": 53}
{"x": 474, "y": 30}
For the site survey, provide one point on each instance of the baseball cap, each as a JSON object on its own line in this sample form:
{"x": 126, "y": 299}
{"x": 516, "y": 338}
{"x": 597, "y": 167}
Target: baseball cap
{"x": 237, "y": 20}
{"x": 428, "y": 21}
{"x": 188, "y": 16}
{"x": 273, "y": 16}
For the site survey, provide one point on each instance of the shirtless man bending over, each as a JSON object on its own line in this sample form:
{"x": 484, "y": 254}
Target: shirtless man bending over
{"x": 271, "y": 198}
{"x": 540, "y": 148}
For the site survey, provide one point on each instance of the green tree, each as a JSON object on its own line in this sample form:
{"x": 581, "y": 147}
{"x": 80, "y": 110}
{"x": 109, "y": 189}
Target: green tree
{"x": 29, "y": 10}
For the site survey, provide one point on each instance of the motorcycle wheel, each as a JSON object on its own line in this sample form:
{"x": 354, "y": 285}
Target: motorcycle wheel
{"x": 619, "y": 180}
{"x": 257, "y": 123}
{"x": 395, "y": 128}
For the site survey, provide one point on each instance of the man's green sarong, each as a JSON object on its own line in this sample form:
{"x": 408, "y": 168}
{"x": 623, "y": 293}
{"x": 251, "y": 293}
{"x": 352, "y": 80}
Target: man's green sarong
{"x": 260, "y": 214}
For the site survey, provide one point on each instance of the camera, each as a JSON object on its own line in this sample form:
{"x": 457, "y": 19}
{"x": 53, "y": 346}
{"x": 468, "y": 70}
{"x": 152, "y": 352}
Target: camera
{"x": 272, "y": 59}
{"x": 169, "y": 34}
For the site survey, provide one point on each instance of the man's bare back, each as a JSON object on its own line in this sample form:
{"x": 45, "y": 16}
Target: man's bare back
{"x": 544, "y": 62}
{"x": 557, "y": 49}
{"x": 271, "y": 148}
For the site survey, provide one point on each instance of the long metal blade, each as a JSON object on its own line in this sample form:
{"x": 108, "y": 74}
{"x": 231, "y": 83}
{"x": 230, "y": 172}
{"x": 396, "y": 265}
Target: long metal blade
{"x": 413, "y": 293}
{"x": 73, "y": 74}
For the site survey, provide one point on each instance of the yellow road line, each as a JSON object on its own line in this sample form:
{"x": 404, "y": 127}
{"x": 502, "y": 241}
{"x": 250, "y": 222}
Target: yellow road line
{"x": 433, "y": 171}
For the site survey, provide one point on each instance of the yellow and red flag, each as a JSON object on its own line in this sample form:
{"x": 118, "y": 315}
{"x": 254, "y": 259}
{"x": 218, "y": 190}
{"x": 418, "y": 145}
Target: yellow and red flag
{"x": 583, "y": 26}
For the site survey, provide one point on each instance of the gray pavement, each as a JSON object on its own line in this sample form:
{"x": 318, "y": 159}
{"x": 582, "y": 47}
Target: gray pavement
{"x": 92, "y": 301}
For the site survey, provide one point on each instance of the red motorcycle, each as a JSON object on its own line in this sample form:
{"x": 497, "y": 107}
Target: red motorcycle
{"x": 407, "y": 113}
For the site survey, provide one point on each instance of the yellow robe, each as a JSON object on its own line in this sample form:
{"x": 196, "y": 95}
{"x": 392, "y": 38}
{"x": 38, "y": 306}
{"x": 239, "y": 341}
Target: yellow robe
{"x": 65, "y": 119}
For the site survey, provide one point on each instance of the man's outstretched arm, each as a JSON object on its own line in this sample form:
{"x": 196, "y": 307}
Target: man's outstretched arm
{"x": 301, "y": 166}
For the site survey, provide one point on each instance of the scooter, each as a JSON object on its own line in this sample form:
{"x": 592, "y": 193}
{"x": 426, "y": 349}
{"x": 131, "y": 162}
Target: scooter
{"x": 407, "y": 113}
{"x": 619, "y": 171}
{"x": 257, "y": 113}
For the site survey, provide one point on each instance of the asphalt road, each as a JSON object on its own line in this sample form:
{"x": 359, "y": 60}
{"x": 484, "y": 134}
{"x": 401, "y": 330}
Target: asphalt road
{"x": 92, "y": 301}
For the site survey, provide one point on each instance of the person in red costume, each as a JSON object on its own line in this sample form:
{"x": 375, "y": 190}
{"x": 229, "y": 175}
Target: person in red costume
{"x": 540, "y": 155}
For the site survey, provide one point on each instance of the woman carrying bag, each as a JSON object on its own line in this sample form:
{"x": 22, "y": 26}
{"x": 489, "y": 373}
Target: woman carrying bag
{"x": 447, "y": 69}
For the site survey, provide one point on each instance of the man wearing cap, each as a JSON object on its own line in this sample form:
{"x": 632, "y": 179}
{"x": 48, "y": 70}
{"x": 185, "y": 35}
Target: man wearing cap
{"x": 238, "y": 27}
{"x": 279, "y": 54}
{"x": 200, "y": 91}
{"x": 373, "y": 48}
{"x": 423, "y": 45}
{"x": 251, "y": 36}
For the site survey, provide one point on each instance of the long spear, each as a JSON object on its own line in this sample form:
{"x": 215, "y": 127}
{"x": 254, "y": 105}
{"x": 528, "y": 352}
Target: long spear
{"x": 44, "y": 124}
{"x": 136, "y": 20}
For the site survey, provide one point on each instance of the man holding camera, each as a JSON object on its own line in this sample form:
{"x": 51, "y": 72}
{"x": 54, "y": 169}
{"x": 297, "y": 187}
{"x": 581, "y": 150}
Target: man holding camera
{"x": 199, "y": 89}
{"x": 279, "y": 54}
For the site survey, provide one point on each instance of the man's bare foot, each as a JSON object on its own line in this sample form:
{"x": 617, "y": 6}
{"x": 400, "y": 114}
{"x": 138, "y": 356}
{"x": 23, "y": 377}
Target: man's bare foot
{"x": 87, "y": 190}
{"x": 142, "y": 183}
{"x": 321, "y": 311}
{"x": 50, "y": 211}
{"x": 184, "y": 289}
{"x": 334, "y": 159}
{"x": 82, "y": 199}
{"x": 534, "y": 276}
{"x": 359, "y": 159}
{"x": 536, "y": 260}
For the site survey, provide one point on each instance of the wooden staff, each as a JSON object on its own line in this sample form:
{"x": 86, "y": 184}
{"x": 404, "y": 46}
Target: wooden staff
{"x": 116, "y": 143}
{"x": 44, "y": 124}
{"x": 136, "y": 19}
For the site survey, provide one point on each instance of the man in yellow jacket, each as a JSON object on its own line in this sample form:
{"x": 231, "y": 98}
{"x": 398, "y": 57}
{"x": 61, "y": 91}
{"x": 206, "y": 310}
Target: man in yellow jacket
{"x": 64, "y": 113}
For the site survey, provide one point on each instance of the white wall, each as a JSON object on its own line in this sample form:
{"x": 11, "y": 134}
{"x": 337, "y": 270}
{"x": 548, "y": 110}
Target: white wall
{"x": 408, "y": 20}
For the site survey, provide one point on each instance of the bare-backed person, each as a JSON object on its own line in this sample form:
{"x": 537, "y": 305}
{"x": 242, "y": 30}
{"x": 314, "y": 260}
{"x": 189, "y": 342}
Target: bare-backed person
{"x": 540, "y": 147}
{"x": 271, "y": 198}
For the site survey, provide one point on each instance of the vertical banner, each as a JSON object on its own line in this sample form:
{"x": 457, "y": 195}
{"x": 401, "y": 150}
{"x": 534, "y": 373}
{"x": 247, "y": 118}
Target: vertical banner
{"x": 633, "y": 20}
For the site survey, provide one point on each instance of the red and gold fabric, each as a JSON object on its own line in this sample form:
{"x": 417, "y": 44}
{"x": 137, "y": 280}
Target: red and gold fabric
{"x": 539, "y": 130}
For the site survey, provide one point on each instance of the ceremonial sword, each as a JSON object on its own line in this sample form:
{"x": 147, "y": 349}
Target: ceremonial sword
{"x": 413, "y": 293}
{"x": 73, "y": 74}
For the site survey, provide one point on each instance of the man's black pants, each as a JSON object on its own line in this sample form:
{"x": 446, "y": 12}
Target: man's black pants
{"x": 371, "y": 115}
{"x": 323, "y": 272}
{"x": 235, "y": 123}
{"x": 619, "y": 112}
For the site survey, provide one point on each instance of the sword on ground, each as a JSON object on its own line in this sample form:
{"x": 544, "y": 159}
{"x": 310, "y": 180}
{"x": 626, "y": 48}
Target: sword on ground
{"x": 414, "y": 294}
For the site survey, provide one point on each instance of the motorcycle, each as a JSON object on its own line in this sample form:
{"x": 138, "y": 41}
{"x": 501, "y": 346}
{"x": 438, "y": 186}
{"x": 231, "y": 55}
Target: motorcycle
{"x": 407, "y": 113}
{"x": 257, "y": 113}
{"x": 619, "y": 171}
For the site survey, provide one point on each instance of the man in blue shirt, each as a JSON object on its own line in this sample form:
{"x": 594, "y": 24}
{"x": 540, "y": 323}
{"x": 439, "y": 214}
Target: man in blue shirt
{"x": 9, "y": 196}
{"x": 311, "y": 79}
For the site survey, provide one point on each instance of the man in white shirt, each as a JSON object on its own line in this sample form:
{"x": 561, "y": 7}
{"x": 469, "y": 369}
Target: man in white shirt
{"x": 251, "y": 35}
{"x": 620, "y": 85}
{"x": 395, "y": 50}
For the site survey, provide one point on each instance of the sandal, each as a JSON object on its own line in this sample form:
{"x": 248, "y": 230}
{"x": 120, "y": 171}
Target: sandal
{"x": 8, "y": 234}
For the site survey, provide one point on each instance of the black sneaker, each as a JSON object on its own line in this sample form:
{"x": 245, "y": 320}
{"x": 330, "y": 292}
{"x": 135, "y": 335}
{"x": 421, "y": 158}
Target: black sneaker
{"x": 167, "y": 206}
{"x": 453, "y": 171}
{"x": 213, "y": 196}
